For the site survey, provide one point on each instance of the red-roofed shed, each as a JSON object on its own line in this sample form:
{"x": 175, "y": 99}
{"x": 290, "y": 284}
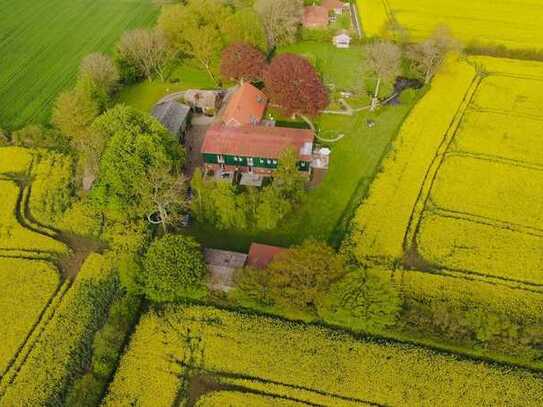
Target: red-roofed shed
{"x": 260, "y": 255}
{"x": 246, "y": 107}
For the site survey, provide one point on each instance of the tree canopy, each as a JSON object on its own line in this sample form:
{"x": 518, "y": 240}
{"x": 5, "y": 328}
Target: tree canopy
{"x": 281, "y": 19}
{"x": 173, "y": 269}
{"x": 294, "y": 84}
{"x": 242, "y": 61}
{"x": 136, "y": 145}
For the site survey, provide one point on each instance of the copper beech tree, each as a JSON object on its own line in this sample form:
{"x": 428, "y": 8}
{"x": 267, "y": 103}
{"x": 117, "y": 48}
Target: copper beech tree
{"x": 294, "y": 84}
{"x": 242, "y": 61}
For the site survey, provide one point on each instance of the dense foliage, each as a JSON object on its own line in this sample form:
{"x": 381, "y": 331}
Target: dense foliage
{"x": 173, "y": 269}
{"x": 241, "y": 61}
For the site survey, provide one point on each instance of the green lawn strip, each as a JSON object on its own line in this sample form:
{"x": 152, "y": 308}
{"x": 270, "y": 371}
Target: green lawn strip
{"x": 42, "y": 44}
{"x": 144, "y": 95}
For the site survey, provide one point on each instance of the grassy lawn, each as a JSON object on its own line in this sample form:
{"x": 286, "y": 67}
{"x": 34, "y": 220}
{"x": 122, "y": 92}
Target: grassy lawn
{"x": 327, "y": 209}
{"x": 144, "y": 95}
{"x": 42, "y": 43}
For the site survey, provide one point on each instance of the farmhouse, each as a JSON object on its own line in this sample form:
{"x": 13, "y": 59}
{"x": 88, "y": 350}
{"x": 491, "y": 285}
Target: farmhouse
{"x": 315, "y": 17}
{"x": 254, "y": 149}
{"x": 238, "y": 144}
{"x": 245, "y": 107}
{"x": 260, "y": 255}
{"x": 174, "y": 116}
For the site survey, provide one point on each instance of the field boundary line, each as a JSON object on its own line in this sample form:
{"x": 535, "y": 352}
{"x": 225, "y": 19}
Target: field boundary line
{"x": 530, "y": 116}
{"x": 34, "y": 335}
{"x": 515, "y": 76}
{"x": 496, "y": 159}
{"x": 409, "y": 242}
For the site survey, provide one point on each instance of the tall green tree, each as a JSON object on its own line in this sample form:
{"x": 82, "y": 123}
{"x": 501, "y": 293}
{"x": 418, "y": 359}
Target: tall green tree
{"x": 297, "y": 279}
{"x": 246, "y": 26}
{"x": 197, "y": 30}
{"x": 173, "y": 269}
{"x": 362, "y": 300}
{"x": 136, "y": 146}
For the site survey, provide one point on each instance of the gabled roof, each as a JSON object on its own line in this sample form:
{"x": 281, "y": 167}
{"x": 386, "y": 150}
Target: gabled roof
{"x": 260, "y": 255}
{"x": 257, "y": 141}
{"x": 172, "y": 115}
{"x": 315, "y": 16}
{"x": 332, "y": 5}
{"x": 245, "y": 107}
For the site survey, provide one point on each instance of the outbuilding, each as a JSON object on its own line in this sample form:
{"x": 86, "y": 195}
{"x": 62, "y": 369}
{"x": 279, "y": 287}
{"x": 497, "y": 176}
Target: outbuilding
{"x": 174, "y": 116}
{"x": 342, "y": 40}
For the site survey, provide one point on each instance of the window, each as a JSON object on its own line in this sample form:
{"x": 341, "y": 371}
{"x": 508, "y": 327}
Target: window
{"x": 250, "y": 162}
{"x": 275, "y": 162}
{"x": 220, "y": 159}
{"x": 269, "y": 162}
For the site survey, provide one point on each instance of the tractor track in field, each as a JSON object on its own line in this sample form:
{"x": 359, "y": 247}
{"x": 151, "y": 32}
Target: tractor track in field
{"x": 68, "y": 267}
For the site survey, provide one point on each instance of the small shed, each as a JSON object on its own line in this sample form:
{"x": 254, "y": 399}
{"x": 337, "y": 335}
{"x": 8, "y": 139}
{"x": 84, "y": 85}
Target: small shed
{"x": 174, "y": 116}
{"x": 204, "y": 101}
{"x": 342, "y": 40}
{"x": 222, "y": 265}
{"x": 260, "y": 255}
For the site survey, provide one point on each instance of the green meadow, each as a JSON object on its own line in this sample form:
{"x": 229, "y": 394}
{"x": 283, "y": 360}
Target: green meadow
{"x": 42, "y": 43}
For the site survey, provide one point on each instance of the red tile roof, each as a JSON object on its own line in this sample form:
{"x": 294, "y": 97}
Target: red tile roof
{"x": 315, "y": 16}
{"x": 260, "y": 255}
{"x": 245, "y": 107}
{"x": 332, "y": 5}
{"x": 257, "y": 141}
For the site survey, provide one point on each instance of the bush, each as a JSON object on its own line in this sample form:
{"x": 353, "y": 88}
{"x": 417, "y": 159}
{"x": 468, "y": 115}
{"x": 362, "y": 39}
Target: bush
{"x": 173, "y": 269}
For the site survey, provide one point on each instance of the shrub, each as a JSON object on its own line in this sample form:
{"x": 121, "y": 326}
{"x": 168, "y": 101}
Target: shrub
{"x": 173, "y": 269}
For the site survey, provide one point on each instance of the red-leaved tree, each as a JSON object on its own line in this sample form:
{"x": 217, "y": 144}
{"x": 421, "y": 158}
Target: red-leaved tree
{"x": 294, "y": 84}
{"x": 242, "y": 61}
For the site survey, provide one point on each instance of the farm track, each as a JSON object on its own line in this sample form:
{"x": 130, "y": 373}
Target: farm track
{"x": 68, "y": 266}
{"x": 496, "y": 159}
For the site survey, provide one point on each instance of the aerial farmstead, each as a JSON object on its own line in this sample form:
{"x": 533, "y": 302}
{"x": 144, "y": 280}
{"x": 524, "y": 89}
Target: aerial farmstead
{"x": 281, "y": 203}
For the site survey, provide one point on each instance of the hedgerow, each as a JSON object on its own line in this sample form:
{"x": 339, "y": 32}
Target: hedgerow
{"x": 14, "y": 160}
{"x": 183, "y": 341}
{"x": 64, "y": 346}
{"x": 25, "y": 288}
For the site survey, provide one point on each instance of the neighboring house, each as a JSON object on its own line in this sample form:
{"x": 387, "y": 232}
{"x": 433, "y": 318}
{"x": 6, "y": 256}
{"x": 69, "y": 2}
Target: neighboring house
{"x": 342, "y": 40}
{"x": 315, "y": 17}
{"x": 335, "y": 6}
{"x": 260, "y": 255}
{"x": 222, "y": 265}
{"x": 254, "y": 149}
{"x": 204, "y": 101}
{"x": 246, "y": 107}
{"x": 174, "y": 116}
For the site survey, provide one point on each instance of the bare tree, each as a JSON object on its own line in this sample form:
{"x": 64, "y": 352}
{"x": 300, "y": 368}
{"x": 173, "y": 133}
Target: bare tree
{"x": 281, "y": 19}
{"x": 168, "y": 194}
{"x": 427, "y": 57}
{"x": 101, "y": 70}
{"x": 147, "y": 50}
{"x": 383, "y": 59}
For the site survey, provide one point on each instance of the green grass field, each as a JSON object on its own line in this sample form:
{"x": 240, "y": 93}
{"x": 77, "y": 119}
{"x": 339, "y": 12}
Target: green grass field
{"x": 42, "y": 43}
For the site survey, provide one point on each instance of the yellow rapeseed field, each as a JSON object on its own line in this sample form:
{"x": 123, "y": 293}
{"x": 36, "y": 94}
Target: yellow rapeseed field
{"x": 234, "y": 398}
{"x": 295, "y": 360}
{"x": 14, "y": 160}
{"x": 381, "y": 222}
{"x": 25, "y": 288}
{"x": 513, "y": 23}
{"x": 13, "y": 236}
